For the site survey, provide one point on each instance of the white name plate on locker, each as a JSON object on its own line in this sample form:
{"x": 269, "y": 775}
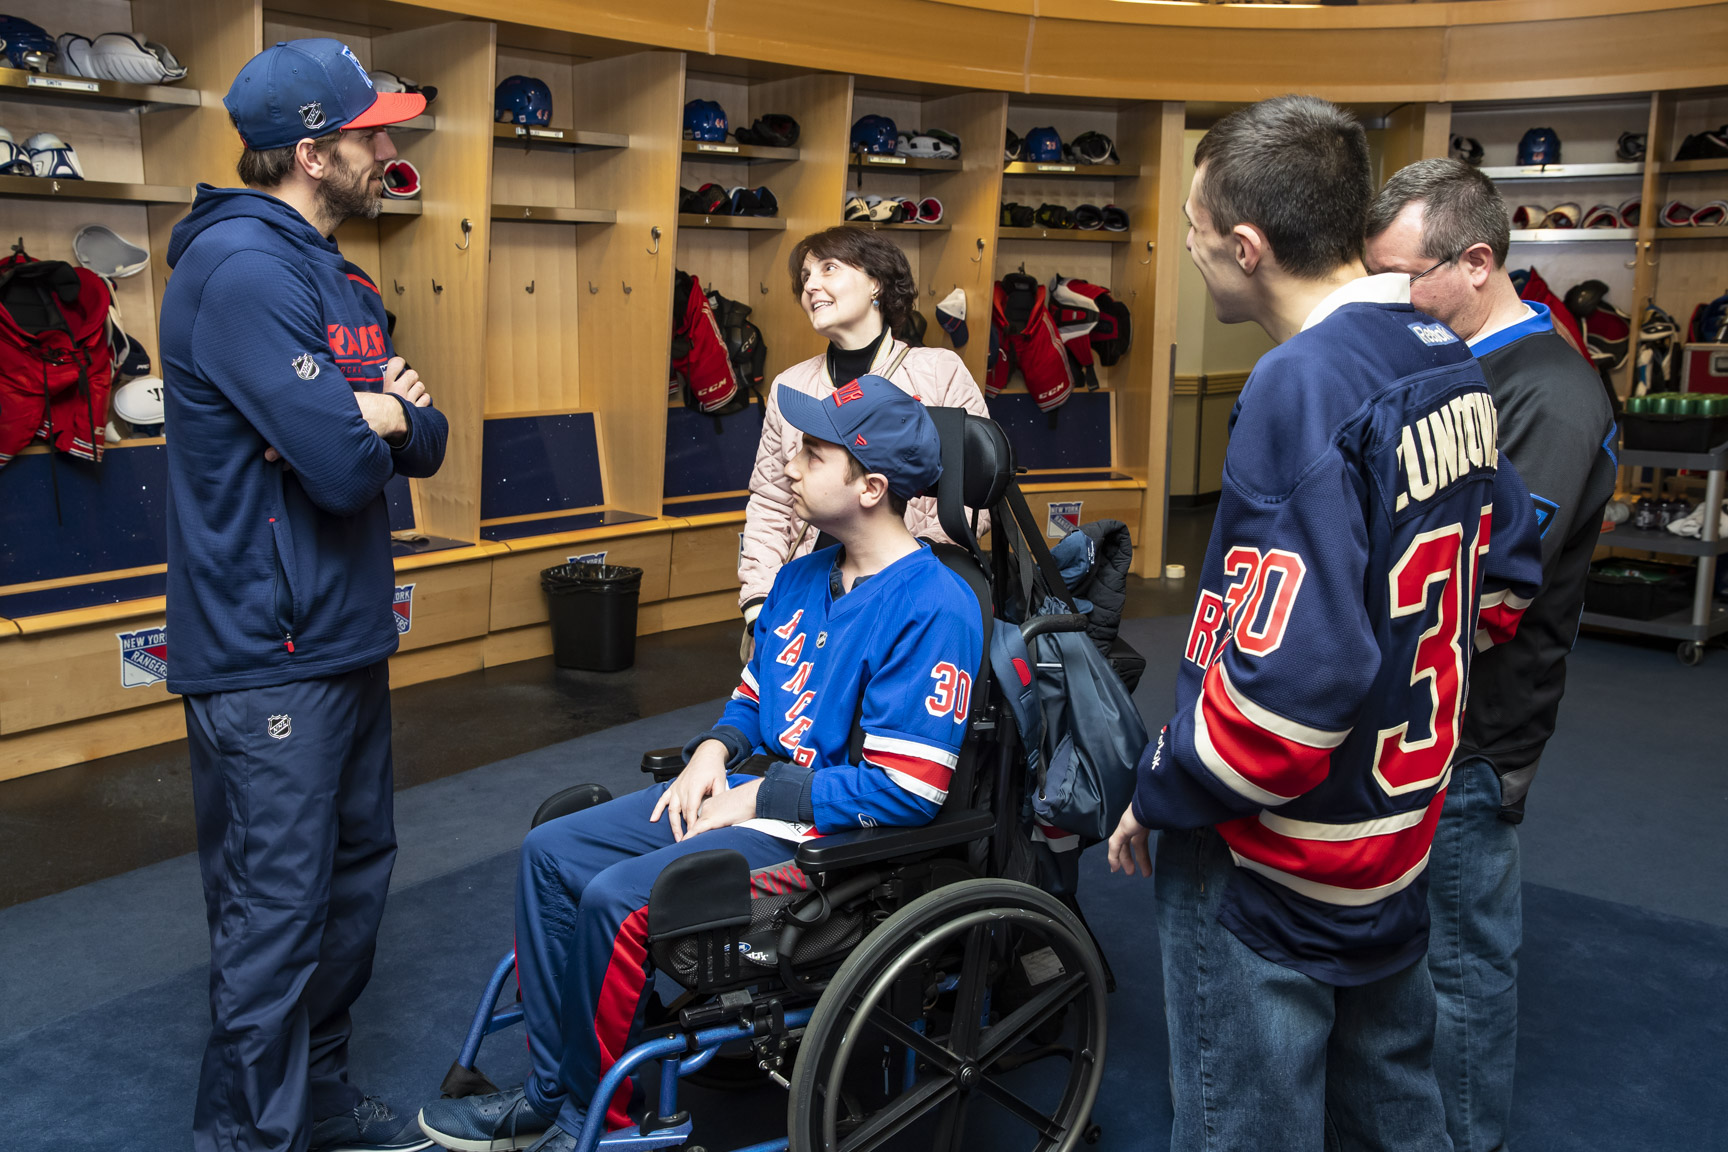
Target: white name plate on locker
{"x": 716, "y": 147}
{"x": 63, "y": 84}
{"x": 1057, "y": 168}
{"x": 901, "y": 160}
{"x": 546, "y": 133}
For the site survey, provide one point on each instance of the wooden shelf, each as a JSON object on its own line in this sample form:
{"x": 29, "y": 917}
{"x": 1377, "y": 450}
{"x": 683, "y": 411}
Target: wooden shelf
{"x": 864, "y": 161}
{"x": 1681, "y": 167}
{"x": 1571, "y": 235}
{"x": 573, "y": 139}
{"x": 1063, "y": 168}
{"x": 1660, "y": 540}
{"x": 539, "y": 214}
{"x": 1694, "y": 232}
{"x": 1617, "y": 171}
{"x": 726, "y": 151}
{"x": 392, "y": 207}
{"x": 747, "y": 223}
{"x": 61, "y": 189}
{"x": 1097, "y": 236}
{"x": 425, "y": 122}
{"x": 876, "y": 226}
{"x": 36, "y": 88}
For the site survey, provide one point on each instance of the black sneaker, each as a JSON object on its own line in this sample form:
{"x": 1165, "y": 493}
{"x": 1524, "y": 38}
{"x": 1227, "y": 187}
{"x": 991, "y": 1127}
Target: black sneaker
{"x": 370, "y": 1127}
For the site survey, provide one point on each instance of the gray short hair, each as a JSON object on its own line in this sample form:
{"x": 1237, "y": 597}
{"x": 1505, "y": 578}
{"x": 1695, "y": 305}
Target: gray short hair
{"x": 1461, "y": 208}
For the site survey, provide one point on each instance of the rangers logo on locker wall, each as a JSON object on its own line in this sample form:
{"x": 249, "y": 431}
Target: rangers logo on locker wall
{"x": 143, "y": 657}
{"x": 1064, "y": 518}
{"x": 404, "y": 607}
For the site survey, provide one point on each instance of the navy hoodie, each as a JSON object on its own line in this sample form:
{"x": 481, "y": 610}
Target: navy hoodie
{"x": 276, "y": 571}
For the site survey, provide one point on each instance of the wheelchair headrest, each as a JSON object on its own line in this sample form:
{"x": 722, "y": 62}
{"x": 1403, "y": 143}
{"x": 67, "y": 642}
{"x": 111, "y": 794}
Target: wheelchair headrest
{"x": 989, "y": 462}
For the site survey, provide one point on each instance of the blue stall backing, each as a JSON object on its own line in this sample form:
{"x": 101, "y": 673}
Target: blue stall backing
{"x": 1081, "y": 438}
{"x": 111, "y": 515}
{"x": 701, "y": 458}
{"x": 401, "y": 499}
{"x": 531, "y": 465}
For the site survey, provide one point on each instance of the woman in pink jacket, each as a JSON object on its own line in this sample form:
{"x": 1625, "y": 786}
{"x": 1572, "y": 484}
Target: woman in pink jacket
{"x": 856, "y": 286}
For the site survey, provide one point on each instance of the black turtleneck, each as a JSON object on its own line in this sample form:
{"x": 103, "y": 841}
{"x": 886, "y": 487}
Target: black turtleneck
{"x": 846, "y": 365}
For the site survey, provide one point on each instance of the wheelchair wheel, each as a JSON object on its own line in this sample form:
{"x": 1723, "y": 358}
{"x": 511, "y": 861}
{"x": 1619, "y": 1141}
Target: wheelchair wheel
{"x": 974, "y": 1017}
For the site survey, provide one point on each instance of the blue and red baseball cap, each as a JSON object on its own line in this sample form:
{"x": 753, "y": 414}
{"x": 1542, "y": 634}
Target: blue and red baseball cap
{"x": 301, "y": 88}
{"x": 886, "y": 429}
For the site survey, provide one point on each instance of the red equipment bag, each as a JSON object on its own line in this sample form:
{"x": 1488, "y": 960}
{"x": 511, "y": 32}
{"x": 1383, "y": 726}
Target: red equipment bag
{"x": 55, "y": 367}
{"x": 1025, "y": 335}
{"x": 699, "y": 354}
{"x": 1566, "y": 324}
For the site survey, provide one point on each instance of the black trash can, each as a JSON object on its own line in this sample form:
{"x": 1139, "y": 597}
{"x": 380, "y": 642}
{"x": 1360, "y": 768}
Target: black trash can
{"x": 593, "y": 611}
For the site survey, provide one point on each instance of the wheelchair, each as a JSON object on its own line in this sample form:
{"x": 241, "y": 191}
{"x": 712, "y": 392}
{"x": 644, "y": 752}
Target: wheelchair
{"x": 905, "y": 986}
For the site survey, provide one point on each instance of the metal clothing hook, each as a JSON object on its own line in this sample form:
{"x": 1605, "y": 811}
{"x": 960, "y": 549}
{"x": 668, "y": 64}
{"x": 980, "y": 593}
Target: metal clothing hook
{"x": 762, "y": 286}
{"x": 979, "y": 259}
{"x": 398, "y": 287}
{"x": 467, "y": 234}
{"x": 655, "y": 233}
{"x": 530, "y": 288}
{"x": 626, "y": 288}
{"x": 437, "y": 288}
{"x": 1148, "y": 260}
{"x": 592, "y": 290}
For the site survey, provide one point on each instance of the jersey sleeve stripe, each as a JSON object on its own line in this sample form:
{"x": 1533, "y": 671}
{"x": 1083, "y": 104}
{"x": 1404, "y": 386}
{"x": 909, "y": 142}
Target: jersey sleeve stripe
{"x": 918, "y": 776}
{"x": 750, "y": 679}
{"x": 946, "y": 757}
{"x": 1497, "y": 624}
{"x": 745, "y": 691}
{"x": 1332, "y": 894}
{"x": 1504, "y": 596}
{"x": 1278, "y": 725}
{"x": 1380, "y": 859}
{"x": 1255, "y": 762}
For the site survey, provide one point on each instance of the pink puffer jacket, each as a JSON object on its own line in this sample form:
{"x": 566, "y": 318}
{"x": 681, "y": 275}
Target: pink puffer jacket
{"x": 772, "y": 533}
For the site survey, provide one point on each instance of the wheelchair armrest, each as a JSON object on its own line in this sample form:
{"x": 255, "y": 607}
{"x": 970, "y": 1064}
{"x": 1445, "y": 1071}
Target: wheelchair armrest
{"x": 857, "y": 847}
{"x": 661, "y": 759}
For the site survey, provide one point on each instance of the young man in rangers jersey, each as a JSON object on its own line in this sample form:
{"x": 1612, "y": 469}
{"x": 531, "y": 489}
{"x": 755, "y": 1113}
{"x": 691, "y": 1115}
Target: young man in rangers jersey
{"x": 1368, "y": 539}
{"x": 875, "y": 629}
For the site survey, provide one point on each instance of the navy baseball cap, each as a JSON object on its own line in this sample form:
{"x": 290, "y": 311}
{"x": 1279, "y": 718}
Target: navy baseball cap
{"x": 886, "y": 429}
{"x": 301, "y": 88}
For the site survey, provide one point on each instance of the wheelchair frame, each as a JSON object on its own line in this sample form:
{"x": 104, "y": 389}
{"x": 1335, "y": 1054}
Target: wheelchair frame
{"x": 772, "y": 1011}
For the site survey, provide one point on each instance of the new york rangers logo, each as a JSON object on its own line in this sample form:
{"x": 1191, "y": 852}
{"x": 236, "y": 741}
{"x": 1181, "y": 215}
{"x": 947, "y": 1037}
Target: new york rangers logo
{"x": 1064, "y": 518}
{"x": 143, "y": 657}
{"x": 404, "y": 606}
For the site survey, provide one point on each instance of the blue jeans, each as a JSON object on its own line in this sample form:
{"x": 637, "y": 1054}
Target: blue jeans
{"x": 1473, "y": 899}
{"x": 1263, "y": 1057}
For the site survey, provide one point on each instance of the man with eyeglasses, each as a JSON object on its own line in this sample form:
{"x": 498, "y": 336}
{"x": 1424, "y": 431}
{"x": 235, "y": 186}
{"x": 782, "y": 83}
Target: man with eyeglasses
{"x": 1444, "y": 223}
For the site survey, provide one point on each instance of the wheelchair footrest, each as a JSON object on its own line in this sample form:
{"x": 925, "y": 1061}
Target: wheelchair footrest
{"x": 460, "y": 1081}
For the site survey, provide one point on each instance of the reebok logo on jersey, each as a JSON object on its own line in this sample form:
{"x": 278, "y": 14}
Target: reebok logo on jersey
{"x": 1446, "y": 445}
{"x": 1433, "y": 333}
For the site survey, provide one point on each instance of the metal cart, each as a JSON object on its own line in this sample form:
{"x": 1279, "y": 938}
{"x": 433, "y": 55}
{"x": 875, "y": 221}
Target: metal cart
{"x": 1705, "y": 618}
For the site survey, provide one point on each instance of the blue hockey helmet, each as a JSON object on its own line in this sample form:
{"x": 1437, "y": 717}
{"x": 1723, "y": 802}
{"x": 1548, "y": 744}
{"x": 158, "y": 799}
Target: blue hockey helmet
{"x": 522, "y": 100}
{"x": 1539, "y": 146}
{"x": 1043, "y": 146}
{"x": 704, "y": 120}
{"x": 875, "y": 134}
{"x": 25, "y": 45}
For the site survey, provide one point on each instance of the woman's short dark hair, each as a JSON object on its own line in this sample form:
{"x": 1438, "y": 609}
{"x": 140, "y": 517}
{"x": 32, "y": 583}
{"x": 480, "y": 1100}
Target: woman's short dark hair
{"x": 871, "y": 253}
{"x": 269, "y": 167}
{"x": 1297, "y": 168}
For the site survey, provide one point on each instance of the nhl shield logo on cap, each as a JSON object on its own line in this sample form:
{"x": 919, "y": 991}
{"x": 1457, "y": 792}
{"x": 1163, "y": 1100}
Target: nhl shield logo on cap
{"x": 280, "y": 727}
{"x": 312, "y": 115}
{"x": 304, "y": 366}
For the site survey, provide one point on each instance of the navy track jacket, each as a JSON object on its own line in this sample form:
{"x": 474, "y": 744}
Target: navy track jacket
{"x": 1369, "y": 540}
{"x": 281, "y": 571}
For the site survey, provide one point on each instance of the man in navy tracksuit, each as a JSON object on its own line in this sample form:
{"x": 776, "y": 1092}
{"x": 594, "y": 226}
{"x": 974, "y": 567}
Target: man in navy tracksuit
{"x": 290, "y": 413}
{"x": 874, "y": 631}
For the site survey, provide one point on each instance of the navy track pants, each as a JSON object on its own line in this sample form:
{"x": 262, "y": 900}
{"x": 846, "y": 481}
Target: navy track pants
{"x": 296, "y": 840}
{"x": 582, "y": 940}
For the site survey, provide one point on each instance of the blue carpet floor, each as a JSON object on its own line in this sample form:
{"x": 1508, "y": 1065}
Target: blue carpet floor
{"x": 1622, "y": 1034}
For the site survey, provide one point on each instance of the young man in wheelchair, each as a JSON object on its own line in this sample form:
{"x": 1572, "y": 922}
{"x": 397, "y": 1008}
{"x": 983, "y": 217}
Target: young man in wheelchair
{"x": 876, "y": 631}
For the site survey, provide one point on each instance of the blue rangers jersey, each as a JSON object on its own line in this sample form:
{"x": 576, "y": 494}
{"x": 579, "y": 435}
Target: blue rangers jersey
{"x": 1369, "y": 537}
{"x": 897, "y": 653}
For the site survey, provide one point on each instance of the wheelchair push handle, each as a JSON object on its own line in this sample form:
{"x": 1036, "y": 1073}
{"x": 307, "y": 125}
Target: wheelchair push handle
{"x": 1063, "y": 622}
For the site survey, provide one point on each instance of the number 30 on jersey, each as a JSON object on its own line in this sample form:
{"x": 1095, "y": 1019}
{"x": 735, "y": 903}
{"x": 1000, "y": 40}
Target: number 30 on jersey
{"x": 952, "y": 695}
